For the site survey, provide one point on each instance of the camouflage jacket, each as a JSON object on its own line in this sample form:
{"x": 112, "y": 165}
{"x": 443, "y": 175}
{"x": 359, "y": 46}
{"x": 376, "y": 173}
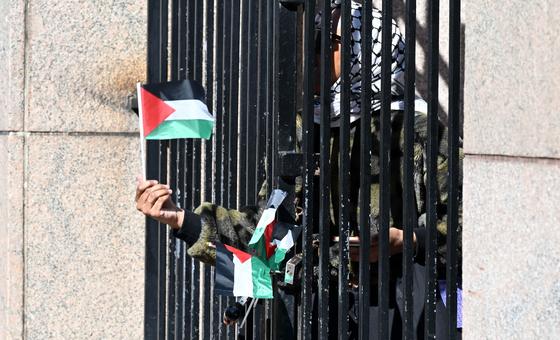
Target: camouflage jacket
{"x": 235, "y": 227}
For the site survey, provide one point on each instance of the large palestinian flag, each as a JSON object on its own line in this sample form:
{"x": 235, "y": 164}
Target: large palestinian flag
{"x": 174, "y": 110}
{"x": 240, "y": 274}
{"x": 276, "y": 232}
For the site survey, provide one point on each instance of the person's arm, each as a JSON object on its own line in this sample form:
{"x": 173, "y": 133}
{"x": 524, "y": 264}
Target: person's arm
{"x": 420, "y": 169}
{"x": 207, "y": 224}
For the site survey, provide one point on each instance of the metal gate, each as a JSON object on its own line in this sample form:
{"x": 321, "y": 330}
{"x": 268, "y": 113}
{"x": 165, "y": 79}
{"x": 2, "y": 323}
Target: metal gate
{"x": 255, "y": 59}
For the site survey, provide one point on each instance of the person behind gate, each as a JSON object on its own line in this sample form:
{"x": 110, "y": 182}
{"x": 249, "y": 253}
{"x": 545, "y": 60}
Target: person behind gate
{"x": 210, "y": 222}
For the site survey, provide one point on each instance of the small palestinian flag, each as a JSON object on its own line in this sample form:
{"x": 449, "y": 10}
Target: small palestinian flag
{"x": 240, "y": 274}
{"x": 174, "y": 110}
{"x": 275, "y": 233}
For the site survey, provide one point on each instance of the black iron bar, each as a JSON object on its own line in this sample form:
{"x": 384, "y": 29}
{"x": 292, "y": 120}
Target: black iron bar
{"x": 365, "y": 171}
{"x": 409, "y": 207}
{"x": 156, "y": 234}
{"x": 431, "y": 185}
{"x": 172, "y": 246}
{"x": 251, "y": 95}
{"x": 344, "y": 172}
{"x": 181, "y": 287}
{"x": 384, "y": 179}
{"x": 453, "y": 164}
{"x": 269, "y": 82}
{"x": 243, "y": 99}
{"x": 309, "y": 167}
{"x": 163, "y": 242}
{"x": 207, "y": 175}
{"x": 261, "y": 90}
{"x": 233, "y": 107}
{"x": 325, "y": 172}
{"x": 269, "y": 86}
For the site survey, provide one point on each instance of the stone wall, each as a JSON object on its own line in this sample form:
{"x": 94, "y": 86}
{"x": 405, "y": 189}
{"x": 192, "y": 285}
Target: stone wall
{"x": 512, "y": 170}
{"x": 71, "y": 242}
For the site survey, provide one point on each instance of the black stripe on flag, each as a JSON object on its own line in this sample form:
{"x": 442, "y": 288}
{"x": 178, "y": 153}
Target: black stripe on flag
{"x": 223, "y": 284}
{"x": 177, "y": 90}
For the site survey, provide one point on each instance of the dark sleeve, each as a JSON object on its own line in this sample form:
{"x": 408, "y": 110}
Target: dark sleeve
{"x": 212, "y": 223}
{"x": 190, "y": 230}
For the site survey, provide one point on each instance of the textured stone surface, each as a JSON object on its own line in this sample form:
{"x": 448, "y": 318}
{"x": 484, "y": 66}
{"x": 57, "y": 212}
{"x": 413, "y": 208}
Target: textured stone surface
{"x": 512, "y": 82}
{"x": 12, "y": 75}
{"x": 11, "y": 236}
{"x": 510, "y": 245}
{"x": 84, "y": 240}
{"x": 84, "y": 58}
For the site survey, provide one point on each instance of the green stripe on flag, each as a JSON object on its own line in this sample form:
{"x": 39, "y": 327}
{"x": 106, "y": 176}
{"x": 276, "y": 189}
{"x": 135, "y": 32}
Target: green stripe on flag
{"x": 262, "y": 282}
{"x": 192, "y": 128}
{"x": 277, "y": 258}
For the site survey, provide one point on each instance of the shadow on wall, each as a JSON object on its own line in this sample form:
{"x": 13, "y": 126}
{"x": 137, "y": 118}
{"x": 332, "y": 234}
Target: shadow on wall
{"x": 399, "y": 8}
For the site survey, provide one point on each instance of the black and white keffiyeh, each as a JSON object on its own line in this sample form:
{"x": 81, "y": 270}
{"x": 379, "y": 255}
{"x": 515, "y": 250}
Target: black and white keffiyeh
{"x": 397, "y": 68}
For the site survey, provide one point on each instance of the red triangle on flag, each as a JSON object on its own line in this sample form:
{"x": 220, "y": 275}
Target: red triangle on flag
{"x": 154, "y": 111}
{"x": 241, "y": 255}
{"x": 270, "y": 247}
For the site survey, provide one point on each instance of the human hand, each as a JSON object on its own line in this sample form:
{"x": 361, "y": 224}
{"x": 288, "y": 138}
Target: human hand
{"x": 396, "y": 240}
{"x": 154, "y": 200}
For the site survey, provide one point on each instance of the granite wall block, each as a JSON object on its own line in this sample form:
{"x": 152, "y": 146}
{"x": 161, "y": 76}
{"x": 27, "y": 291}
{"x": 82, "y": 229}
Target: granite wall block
{"x": 84, "y": 239}
{"x": 11, "y": 235}
{"x": 511, "y": 257}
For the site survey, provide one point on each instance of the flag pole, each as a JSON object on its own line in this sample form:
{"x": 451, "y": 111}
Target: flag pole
{"x": 141, "y": 128}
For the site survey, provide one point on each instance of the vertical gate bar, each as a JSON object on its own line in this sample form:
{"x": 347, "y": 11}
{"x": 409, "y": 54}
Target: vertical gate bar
{"x": 188, "y": 261}
{"x": 284, "y": 125}
{"x": 174, "y": 248}
{"x": 180, "y": 287}
{"x": 242, "y": 104}
{"x": 190, "y": 11}
{"x": 269, "y": 86}
{"x": 261, "y": 90}
{"x": 232, "y": 124}
{"x": 344, "y": 175}
{"x": 409, "y": 209}
{"x": 243, "y": 99}
{"x": 309, "y": 167}
{"x": 325, "y": 170}
{"x": 208, "y": 72}
{"x": 156, "y": 68}
{"x": 365, "y": 171}
{"x": 453, "y": 175}
{"x": 251, "y": 98}
{"x": 226, "y": 332}
{"x": 233, "y": 107}
{"x": 226, "y": 75}
{"x": 162, "y": 243}
{"x": 222, "y": 16}
{"x": 431, "y": 185}
{"x": 385, "y": 146}
{"x": 172, "y": 244}
{"x": 270, "y": 27}
{"x": 216, "y": 194}
{"x": 180, "y": 73}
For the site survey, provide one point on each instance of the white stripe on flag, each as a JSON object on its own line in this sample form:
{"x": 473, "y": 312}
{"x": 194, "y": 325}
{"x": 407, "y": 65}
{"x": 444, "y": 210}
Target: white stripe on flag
{"x": 242, "y": 278}
{"x": 287, "y": 242}
{"x": 189, "y": 109}
{"x": 267, "y": 217}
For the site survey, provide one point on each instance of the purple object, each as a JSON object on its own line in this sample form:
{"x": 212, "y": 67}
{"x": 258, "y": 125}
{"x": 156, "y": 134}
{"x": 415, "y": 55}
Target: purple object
{"x": 443, "y": 294}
